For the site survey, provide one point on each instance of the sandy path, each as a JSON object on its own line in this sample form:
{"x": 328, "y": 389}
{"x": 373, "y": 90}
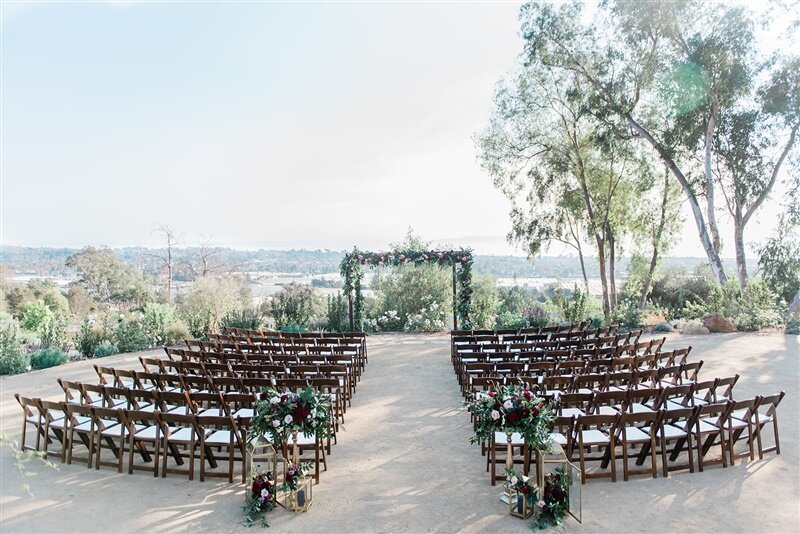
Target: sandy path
{"x": 403, "y": 462}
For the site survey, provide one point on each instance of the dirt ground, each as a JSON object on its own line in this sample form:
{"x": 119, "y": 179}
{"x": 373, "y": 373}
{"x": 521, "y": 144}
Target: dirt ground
{"x": 404, "y": 462}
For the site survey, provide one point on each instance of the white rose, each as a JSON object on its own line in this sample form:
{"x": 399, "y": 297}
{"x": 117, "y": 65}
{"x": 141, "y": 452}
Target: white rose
{"x": 276, "y": 423}
{"x": 495, "y": 415}
{"x": 514, "y": 481}
{"x": 287, "y": 419}
{"x": 508, "y": 405}
{"x": 275, "y": 400}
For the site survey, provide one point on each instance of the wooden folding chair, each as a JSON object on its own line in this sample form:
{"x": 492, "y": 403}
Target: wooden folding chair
{"x": 498, "y": 454}
{"x": 767, "y": 413}
{"x": 709, "y": 429}
{"x": 179, "y": 431}
{"x": 80, "y": 421}
{"x": 638, "y": 428}
{"x": 739, "y": 425}
{"x": 219, "y": 432}
{"x": 56, "y": 426}
{"x": 677, "y": 425}
{"x": 144, "y": 428}
{"x": 109, "y": 428}
{"x": 31, "y": 415}
{"x": 597, "y": 431}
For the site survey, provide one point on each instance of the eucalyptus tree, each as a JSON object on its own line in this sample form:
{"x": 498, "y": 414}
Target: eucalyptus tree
{"x": 565, "y": 184}
{"x": 665, "y": 73}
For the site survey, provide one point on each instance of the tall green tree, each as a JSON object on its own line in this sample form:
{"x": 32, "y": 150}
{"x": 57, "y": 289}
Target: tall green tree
{"x": 664, "y": 73}
{"x": 541, "y": 146}
{"x": 108, "y": 280}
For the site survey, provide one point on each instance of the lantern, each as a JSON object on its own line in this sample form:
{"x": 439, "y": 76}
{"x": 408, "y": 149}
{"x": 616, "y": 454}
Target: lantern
{"x": 264, "y": 457}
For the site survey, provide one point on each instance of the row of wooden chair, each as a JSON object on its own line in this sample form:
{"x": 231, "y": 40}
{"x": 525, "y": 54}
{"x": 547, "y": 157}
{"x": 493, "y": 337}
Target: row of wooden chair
{"x": 694, "y": 430}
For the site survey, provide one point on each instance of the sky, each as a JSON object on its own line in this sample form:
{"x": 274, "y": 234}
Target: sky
{"x": 256, "y": 125}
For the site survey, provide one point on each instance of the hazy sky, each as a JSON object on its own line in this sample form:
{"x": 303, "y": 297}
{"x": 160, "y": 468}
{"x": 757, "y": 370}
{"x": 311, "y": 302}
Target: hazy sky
{"x": 255, "y": 125}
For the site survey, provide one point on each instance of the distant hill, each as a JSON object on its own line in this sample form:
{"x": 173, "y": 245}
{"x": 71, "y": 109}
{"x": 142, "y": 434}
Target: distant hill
{"x": 39, "y": 261}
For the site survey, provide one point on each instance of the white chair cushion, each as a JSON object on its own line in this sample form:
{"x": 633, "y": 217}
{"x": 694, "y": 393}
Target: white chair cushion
{"x": 591, "y": 437}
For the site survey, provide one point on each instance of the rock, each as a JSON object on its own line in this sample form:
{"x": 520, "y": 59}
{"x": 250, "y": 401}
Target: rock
{"x": 794, "y": 307}
{"x": 694, "y": 330}
{"x": 717, "y": 323}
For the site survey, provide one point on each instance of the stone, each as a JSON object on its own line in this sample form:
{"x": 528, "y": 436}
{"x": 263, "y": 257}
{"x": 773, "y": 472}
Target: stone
{"x": 694, "y": 330}
{"x": 718, "y": 323}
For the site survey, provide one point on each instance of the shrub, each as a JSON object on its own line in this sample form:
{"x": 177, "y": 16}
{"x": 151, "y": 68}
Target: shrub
{"x": 294, "y": 305}
{"x": 793, "y": 327}
{"x": 49, "y": 357}
{"x": 106, "y": 348}
{"x": 35, "y": 315}
{"x": 210, "y": 299}
{"x": 758, "y": 307}
{"x": 627, "y": 313}
{"x": 129, "y": 336}
{"x": 574, "y": 306}
{"x": 663, "y": 327}
{"x": 779, "y": 261}
{"x": 513, "y": 300}
{"x": 430, "y": 318}
{"x": 390, "y": 321}
{"x": 337, "y": 314}
{"x": 406, "y": 288}
{"x": 485, "y": 302}
{"x": 535, "y": 316}
{"x": 87, "y": 339}
{"x": 249, "y": 318}
{"x": 508, "y": 319}
{"x": 155, "y": 318}
{"x": 12, "y": 359}
{"x": 53, "y": 333}
{"x": 176, "y": 332}
{"x": 294, "y": 328}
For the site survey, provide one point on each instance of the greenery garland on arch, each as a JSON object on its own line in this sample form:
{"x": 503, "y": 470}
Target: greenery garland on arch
{"x": 460, "y": 260}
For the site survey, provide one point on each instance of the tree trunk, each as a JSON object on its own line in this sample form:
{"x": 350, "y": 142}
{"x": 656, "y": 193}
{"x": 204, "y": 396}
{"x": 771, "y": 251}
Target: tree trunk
{"x": 711, "y": 211}
{"x": 741, "y": 260}
{"x": 612, "y": 268}
{"x": 697, "y": 212}
{"x": 601, "y": 260}
{"x": 583, "y": 268}
{"x": 662, "y": 221}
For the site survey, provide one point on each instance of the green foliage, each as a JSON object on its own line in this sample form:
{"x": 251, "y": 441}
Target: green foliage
{"x": 106, "y": 348}
{"x": 210, "y": 299}
{"x": 79, "y": 301}
{"x": 793, "y": 327}
{"x": 337, "y": 314}
{"x": 249, "y": 318}
{"x": 175, "y": 333}
{"x": 758, "y": 308}
{"x": 430, "y": 317}
{"x": 35, "y": 315}
{"x": 155, "y": 319}
{"x": 294, "y": 328}
{"x": 296, "y": 305}
{"x": 130, "y": 336}
{"x": 574, "y": 306}
{"x": 628, "y": 314}
{"x": 108, "y": 280}
{"x": 49, "y": 357}
{"x": 12, "y": 358}
{"x": 87, "y": 339}
{"x": 507, "y": 319}
{"x": 663, "y": 327}
{"x": 779, "y": 261}
{"x": 53, "y": 333}
{"x": 485, "y": 302}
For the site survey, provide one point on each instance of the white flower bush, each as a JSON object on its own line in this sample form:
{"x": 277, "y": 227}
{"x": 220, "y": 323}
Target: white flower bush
{"x": 430, "y": 318}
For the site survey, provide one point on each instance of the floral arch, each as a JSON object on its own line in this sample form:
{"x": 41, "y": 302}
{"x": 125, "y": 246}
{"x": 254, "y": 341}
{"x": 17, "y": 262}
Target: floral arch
{"x": 460, "y": 260}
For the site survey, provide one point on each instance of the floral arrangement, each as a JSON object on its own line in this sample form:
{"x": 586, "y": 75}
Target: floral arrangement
{"x": 512, "y": 408}
{"x": 352, "y": 270}
{"x": 553, "y": 502}
{"x": 294, "y": 474}
{"x": 260, "y": 499}
{"x": 280, "y": 413}
{"x": 522, "y": 485}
